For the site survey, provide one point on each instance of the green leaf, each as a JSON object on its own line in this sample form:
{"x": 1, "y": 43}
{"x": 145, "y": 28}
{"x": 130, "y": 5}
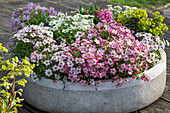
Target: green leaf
{"x": 13, "y": 98}
{"x": 80, "y": 9}
{"x": 18, "y": 105}
{"x": 4, "y": 105}
{"x": 0, "y": 106}
{"x": 12, "y": 108}
{"x": 91, "y": 8}
{"x": 87, "y": 8}
{"x": 5, "y": 101}
{"x": 95, "y": 4}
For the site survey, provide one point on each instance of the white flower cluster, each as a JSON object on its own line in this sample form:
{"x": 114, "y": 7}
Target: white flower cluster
{"x": 129, "y": 9}
{"x": 117, "y": 10}
{"x": 153, "y": 43}
{"x": 38, "y": 36}
{"x": 65, "y": 24}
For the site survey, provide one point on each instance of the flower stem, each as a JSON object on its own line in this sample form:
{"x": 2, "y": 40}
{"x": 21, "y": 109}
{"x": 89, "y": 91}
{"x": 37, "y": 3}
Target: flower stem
{"x": 11, "y": 94}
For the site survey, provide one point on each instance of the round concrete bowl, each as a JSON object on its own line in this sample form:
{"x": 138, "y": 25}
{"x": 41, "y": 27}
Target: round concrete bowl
{"x": 51, "y": 97}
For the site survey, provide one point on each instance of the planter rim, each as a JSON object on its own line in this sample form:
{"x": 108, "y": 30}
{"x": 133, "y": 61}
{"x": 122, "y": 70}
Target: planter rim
{"x": 153, "y": 73}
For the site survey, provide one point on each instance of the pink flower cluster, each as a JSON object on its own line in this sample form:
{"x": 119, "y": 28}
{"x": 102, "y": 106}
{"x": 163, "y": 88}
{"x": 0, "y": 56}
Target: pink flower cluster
{"x": 105, "y": 16}
{"x": 106, "y": 51}
{"x": 115, "y": 56}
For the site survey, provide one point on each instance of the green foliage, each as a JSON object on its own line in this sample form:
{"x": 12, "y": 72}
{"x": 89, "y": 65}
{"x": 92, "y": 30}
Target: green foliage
{"x": 22, "y": 50}
{"x": 140, "y": 3}
{"x": 31, "y": 14}
{"x": 37, "y": 18}
{"x": 91, "y": 11}
{"x": 8, "y": 99}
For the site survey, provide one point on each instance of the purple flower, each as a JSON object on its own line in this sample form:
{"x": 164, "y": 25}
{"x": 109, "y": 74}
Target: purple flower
{"x": 110, "y": 61}
{"x": 28, "y": 17}
{"x": 123, "y": 66}
{"x": 118, "y": 85}
{"x": 132, "y": 60}
{"x": 128, "y": 67}
{"x": 23, "y": 14}
{"x": 126, "y": 58}
{"x": 83, "y": 82}
{"x": 92, "y": 82}
{"x": 98, "y": 83}
{"x": 85, "y": 70}
{"x": 115, "y": 77}
{"x": 130, "y": 72}
{"x": 99, "y": 25}
{"x": 24, "y": 17}
{"x": 48, "y": 72}
{"x": 143, "y": 77}
{"x": 119, "y": 80}
{"x": 147, "y": 79}
{"x": 121, "y": 70}
{"x": 126, "y": 80}
{"x": 113, "y": 71}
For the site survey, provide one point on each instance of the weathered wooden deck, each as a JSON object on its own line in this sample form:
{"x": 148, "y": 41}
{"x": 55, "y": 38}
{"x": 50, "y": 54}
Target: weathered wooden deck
{"x": 162, "y": 105}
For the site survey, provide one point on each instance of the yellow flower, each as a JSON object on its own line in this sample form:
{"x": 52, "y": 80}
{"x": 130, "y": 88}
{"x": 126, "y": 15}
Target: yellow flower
{"x": 143, "y": 27}
{"x": 32, "y": 66}
{"x": 16, "y": 59}
{"x": 26, "y": 62}
{"x": 138, "y": 16}
{"x": 17, "y": 70}
{"x": 5, "y": 50}
{"x": 13, "y": 59}
{"x": 150, "y": 30}
{"x": 7, "y": 62}
{"x": 3, "y": 67}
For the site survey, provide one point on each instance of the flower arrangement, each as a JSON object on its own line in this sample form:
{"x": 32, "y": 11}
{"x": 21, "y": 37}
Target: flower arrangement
{"x": 8, "y": 99}
{"x": 89, "y": 47}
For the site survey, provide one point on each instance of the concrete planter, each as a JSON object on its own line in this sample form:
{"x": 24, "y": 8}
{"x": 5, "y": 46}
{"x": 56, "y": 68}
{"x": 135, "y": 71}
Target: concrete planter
{"x": 51, "y": 97}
